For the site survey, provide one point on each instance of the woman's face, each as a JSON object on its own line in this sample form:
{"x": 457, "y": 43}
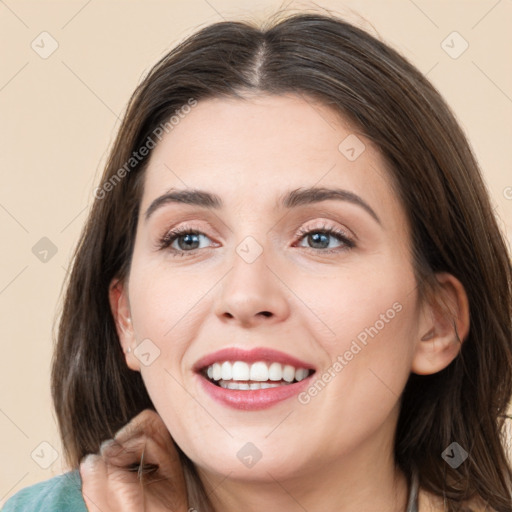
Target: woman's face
{"x": 337, "y": 314}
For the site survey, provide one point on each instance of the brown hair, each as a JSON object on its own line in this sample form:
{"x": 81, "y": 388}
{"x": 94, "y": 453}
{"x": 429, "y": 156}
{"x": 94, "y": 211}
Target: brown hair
{"x": 442, "y": 192}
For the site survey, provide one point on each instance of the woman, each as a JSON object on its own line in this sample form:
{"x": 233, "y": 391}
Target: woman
{"x": 337, "y": 336}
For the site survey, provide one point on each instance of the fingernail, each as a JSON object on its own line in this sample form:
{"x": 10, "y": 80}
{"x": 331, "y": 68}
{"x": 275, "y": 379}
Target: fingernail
{"x": 121, "y": 431}
{"x": 87, "y": 461}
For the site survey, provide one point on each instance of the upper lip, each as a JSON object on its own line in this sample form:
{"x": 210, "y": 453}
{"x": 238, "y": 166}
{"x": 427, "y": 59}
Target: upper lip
{"x": 265, "y": 354}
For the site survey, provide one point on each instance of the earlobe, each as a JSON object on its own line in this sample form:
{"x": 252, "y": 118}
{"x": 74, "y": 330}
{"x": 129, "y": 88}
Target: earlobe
{"x": 443, "y": 329}
{"x": 120, "y": 307}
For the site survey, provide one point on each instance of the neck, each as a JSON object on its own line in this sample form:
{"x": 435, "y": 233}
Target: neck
{"x": 367, "y": 480}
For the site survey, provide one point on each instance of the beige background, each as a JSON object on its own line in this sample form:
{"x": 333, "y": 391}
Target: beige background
{"x": 59, "y": 115}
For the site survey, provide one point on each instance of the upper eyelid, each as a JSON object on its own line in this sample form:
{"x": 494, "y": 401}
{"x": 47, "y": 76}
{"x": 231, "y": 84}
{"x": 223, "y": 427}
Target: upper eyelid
{"x": 185, "y": 218}
{"x": 305, "y": 227}
{"x": 312, "y": 211}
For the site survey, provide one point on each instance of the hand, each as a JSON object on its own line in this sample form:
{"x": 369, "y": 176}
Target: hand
{"x": 139, "y": 470}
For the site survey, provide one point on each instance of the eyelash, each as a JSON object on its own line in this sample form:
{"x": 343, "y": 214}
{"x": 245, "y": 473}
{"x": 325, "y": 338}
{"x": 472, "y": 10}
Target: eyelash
{"x": 166, "y": 241}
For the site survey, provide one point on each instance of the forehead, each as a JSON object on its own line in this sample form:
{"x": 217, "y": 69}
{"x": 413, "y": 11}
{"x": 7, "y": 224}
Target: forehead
{"x": 256, "y": 149}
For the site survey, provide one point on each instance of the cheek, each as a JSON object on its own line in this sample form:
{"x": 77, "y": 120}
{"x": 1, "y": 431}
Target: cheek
{"x": 188, "y": 421}
{"x": 169, "y": 309}
{"x": 166, "y": 305}
{"x": 369, "y": 327}
{"x": 358, "y": 394}
{"x": 361, "y": 306}
{"x": 375, "y": 359}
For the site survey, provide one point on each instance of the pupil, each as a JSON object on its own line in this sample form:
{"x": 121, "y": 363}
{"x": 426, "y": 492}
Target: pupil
{"x": 187, "y": 239}
{"x": 316, "y": 236}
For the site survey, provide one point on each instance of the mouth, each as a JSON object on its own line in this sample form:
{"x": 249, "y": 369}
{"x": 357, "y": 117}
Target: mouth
{"x": 243, "y": 376}
{"x": 253, "y": 379}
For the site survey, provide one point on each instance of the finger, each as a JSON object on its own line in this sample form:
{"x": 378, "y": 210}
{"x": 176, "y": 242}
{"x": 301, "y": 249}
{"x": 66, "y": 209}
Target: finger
{"x": 107, "y": 489}
{"x": 147, "y": 432}
{"x": 166, "y": 486}
{"x": 147, "y": 421}
{"x": 155, "y": 459}
{"x": 145, "y": 441}
{"x": 93, "y": 473}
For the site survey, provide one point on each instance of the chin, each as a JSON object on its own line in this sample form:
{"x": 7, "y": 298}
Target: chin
{"x": 246, "y": 462}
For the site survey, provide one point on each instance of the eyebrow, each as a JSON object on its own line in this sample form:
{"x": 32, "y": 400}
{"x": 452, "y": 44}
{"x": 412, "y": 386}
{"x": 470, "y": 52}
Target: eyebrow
{"x": 291, "y": 199}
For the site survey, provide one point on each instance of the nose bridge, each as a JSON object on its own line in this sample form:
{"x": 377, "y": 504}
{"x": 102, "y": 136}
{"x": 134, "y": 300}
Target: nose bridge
{"x": 251, "y": 292}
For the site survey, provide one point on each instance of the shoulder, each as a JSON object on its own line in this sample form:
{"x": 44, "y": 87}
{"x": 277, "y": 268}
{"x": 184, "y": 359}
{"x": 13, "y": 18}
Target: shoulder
{"x": 60, "y": 493}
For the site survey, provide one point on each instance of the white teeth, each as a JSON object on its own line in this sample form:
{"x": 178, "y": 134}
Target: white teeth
{"x": 266, "y": 385}
{"x": 275, "y": 371}
{"x": 226, "y": 371}
{"x": 288, "y": 373}
{"x": 217, "y": 371}
{"x": 301, "y": 374}
{"x": 259, "y": 373}
{"x": 243, "y": 385}
{"x": 240, "y": 371}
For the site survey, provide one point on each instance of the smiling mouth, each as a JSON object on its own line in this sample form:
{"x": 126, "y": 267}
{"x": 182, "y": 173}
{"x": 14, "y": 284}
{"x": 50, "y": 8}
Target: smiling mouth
{"x": 243, "y": 376}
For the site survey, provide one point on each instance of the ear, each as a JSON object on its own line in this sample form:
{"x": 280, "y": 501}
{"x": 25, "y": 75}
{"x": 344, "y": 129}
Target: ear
{"x": 443, "y": 327}
{"x": 120, "y": 306}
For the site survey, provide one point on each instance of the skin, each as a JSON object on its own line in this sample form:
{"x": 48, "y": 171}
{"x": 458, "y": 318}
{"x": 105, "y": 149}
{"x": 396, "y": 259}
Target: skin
{"x": 107, "y": 486}
{"x": 335, "y": 452}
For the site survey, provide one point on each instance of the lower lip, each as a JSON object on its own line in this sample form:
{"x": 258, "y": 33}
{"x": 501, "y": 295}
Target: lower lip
{"x": 255, "y": 399}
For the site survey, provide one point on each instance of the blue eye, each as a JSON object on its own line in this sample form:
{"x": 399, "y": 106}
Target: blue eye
{"x": 187, "y": 237}
{"x": 188, "y": 240}
{"x": 320, "y": 239}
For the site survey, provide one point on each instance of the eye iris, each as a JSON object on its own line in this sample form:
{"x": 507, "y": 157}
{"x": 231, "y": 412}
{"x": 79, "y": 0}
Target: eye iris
{"x": 316, "y": 239}
{"x": 187, "y": 239}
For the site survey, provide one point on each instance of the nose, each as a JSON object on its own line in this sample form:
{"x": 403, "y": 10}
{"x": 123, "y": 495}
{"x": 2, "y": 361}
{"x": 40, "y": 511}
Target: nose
{"x": 252, "y": 294}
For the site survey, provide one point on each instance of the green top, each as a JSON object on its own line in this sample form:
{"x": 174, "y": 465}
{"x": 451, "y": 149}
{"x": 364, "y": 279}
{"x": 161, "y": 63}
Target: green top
{"x": 62, "y": 493}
